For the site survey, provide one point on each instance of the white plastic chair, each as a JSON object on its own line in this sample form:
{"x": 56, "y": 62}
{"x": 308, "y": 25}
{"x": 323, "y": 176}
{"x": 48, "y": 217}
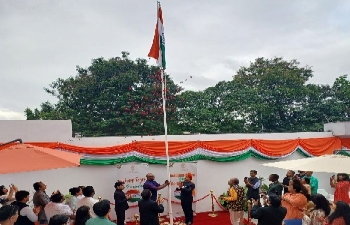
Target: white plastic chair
{"x": 331, "y": 198}
{"x": 323, "y": 192}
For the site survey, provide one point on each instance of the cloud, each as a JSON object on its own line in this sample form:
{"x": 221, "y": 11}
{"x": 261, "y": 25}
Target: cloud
{"x": 42, "y": 41}
{"x": 6, "y": 114}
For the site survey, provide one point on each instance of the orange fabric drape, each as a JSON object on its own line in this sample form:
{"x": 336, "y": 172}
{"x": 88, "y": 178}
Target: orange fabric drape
{"x": 275, "y": 148}
{"x": 345, "y": 142}
{"x": 118, "y": 149}
{"x": 157, "y": 148}
{"x": 226, "y": 146}
{"x": 320, "y": 146}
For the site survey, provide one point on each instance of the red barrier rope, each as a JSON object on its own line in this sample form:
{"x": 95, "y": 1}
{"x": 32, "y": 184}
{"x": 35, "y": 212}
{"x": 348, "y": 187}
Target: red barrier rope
{"x": 201, "y": 198}
{"x": 135, "y": 206}
{"x": 130, "y": 206}
{"x": 217, "y": 202}
{"x": 192, "y": 202}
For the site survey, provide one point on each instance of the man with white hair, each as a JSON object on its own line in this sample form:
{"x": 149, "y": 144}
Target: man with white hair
{"x": 235, "y": 201}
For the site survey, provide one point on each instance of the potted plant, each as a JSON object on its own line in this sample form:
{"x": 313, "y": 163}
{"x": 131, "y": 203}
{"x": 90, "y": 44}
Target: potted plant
{"x": 222, "y": 202}
{"x": 263, "y": 186}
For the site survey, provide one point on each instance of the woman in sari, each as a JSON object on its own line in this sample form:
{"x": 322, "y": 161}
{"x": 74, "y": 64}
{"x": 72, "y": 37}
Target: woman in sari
{"x": 320, "y": 211}
{"x": 295, "y": 200}
{"x": 342, "y": 187}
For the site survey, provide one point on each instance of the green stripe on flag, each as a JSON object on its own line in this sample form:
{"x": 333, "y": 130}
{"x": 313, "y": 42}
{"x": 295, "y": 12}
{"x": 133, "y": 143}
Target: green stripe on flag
{"x": 162, "y": 49}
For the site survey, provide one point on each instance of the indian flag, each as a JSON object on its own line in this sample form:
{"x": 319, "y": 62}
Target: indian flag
{"x": 158, "y": 46}
{"x": 177, "y": 194}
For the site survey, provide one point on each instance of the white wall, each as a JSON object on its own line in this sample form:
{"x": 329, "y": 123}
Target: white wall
{"x": 210, "y": 176}
{"x": 61, "y": 131}
{"x": 35, "y": 130}
{"x": 110, "y": 141}
{"x": 341, "y": 129}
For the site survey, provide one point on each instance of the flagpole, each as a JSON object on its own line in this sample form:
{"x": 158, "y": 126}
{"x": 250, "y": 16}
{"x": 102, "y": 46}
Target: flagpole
{"x": 166, "y": 146}
{"x": 163, "y": 78}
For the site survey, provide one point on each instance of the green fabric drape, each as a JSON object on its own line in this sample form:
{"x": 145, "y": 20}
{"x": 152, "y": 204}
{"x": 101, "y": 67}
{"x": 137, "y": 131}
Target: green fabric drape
{"x": 118, "y": 160}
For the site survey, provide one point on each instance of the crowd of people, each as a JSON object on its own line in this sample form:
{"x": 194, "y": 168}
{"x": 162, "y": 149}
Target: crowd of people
{"x": 293, "y": 199}
{"x": 81, "y": 208}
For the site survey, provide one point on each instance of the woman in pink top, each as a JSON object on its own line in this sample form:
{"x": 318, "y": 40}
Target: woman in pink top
{"x": 295, "y": 200}
{"x": 342, "y": 187}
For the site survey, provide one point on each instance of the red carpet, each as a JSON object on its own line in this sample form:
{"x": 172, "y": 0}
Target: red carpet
{"x": 223, "y": 218}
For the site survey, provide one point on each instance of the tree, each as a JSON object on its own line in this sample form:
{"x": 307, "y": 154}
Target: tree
{"x": 111, "y": 97}
{"x": 324, "y": 104}
{"x": 206, "y": 112}
{"x": 269, "y": 93}
{"x": 120, "y": 96}
{"x": 341, "y": 91}
{"x": 317, "y": 108}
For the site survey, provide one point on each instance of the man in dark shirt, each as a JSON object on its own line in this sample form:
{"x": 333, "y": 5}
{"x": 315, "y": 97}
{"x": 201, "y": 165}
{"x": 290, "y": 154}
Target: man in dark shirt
{"x": 289, "y": 176}
{"x": 252, "y": 183}
{"x": 121, "y": 202}
{"x": 187, "y": 188}
{"x": 149, "y": 209}
{"x": 153, "y": 186}
{"x": 275, "y": 187}
{"x": 273, "y": 214}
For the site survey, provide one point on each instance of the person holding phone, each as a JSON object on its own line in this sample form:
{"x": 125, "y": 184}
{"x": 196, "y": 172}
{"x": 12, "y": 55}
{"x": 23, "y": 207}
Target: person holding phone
{"x": 341, "y": 186}
{"x": 7, "y": 196}
{"x": 252, "y": 183}
{"x": 272, "y": 214}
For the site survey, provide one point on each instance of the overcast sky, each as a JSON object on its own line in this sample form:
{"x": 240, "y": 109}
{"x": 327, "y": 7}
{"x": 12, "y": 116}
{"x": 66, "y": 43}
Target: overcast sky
{"x": 42, "y": 40}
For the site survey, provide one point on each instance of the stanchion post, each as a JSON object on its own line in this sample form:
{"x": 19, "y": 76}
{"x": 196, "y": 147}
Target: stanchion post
{"x": 249, "y": 204}
{"x": 158, "y": 201}
{"x": 136, "y": 217}
{"x": 212, "y": 214}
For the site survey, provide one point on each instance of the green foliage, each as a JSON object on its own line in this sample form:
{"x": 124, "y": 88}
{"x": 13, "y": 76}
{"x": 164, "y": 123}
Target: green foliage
{"x": 112, "y": 97}
{"x": 67, "y": 196}
{"x": 120, "y": 96}
{"x": 222, "y": 202}
{"x": 270, "y": 92}
{"x": 207, "y": 111}
{"x": 263, "y": 187}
